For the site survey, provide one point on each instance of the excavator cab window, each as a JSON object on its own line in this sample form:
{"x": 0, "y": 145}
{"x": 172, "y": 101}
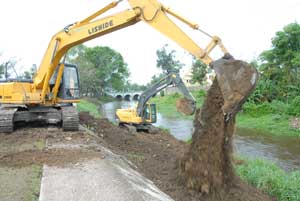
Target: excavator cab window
{"x": 150, "y": 113}
{"x": 153, "y": 113}
{"x": 147, "y": 113}
{"x": 69, "y": 88}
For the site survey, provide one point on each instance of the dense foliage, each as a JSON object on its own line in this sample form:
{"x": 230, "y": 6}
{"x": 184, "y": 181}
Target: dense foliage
{"x": 280, "y": 68}
{"x": 199, "y": 71}
{"x": 101, "y": 69}
{"x": 166, "y": 60}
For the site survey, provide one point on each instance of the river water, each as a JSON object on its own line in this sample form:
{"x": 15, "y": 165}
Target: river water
{"x": 284, "y": 151}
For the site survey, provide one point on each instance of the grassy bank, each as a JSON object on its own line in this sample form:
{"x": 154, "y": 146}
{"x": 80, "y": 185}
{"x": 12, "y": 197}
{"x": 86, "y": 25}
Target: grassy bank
{"x": 270, "y": 178}
{"x": 272, "y": 118}
{"x": 269, "y": 123}
{"x": 92, "y": 105}
{"x": 89, "y": 105}
{"x": 166, "y": 105}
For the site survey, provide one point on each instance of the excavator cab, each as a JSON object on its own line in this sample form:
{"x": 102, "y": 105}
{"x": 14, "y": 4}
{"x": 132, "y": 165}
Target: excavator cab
{"x": 150, "y": 113}
{"x": 69, "y": 85}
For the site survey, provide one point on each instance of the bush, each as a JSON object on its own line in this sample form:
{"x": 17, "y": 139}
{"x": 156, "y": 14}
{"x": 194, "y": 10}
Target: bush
{"x": 294, "y": 107}
{"x": 275, "y": 107}
{"x": 279, "y": 107}
{"x": 256, "y": 110}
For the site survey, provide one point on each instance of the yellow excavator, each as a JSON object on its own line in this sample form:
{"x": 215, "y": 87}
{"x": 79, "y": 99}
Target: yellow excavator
{"x": 50, "y": 95}
{"x": 141, "y": 117}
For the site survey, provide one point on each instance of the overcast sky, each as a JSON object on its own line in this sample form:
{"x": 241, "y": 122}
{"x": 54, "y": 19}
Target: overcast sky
{"x": 245, "y": 26}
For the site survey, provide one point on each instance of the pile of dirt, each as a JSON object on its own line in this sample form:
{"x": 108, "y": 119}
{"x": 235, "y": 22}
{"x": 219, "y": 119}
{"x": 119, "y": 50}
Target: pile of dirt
{"x": 158, "y": 158}
{"x": 207, "y": 166}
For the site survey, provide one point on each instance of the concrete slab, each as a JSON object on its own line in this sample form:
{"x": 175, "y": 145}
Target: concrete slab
{"x": 107, "y": 178}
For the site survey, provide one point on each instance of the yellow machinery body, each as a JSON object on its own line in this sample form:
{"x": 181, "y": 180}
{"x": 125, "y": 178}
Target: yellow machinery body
{"x": 131, "y": 116}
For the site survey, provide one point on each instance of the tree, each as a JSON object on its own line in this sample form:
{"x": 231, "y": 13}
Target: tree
{"x": 281, "y": 64}
{"x": 199, "y": 71}
{"x": 6, "y": 67}
{"x": 166, "y": 60}
{"x": 111, "y": 69}
{"x": 29, "y": 74}
{"x": 135, "y": 87}
{"x": 101, "y": 69}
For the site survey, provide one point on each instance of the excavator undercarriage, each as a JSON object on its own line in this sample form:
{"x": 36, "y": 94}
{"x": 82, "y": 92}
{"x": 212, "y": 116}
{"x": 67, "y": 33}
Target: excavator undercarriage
{"x": 64, "y": 115}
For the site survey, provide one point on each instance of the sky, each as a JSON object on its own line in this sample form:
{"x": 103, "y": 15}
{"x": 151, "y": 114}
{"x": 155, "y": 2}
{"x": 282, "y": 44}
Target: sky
{"x": 246, "y": 28}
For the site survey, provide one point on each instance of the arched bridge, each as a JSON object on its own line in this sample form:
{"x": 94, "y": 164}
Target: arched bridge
{"x": 128, "y": 96}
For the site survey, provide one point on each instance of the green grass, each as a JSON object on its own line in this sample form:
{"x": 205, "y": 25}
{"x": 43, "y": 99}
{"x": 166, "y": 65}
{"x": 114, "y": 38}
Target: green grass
{"x": 270, "y": 178}
{"x": 40, "y": 144}
{"x": 135, "y": 156}
{"x": 166, "y": 105}
{"x": 87, "y": 105}
{"x": 35, "y": 182}
{"x": 270, "y": 123}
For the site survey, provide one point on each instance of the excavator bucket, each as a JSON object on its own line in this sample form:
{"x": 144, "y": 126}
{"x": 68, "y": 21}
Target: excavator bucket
{"x": 185, "y": 106}
{"x": 237, "y": 79}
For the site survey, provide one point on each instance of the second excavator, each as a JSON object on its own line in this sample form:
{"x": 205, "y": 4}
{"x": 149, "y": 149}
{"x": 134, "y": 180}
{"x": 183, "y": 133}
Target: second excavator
{"x": 141, "y": 117}
{"x": 47, "y": 98}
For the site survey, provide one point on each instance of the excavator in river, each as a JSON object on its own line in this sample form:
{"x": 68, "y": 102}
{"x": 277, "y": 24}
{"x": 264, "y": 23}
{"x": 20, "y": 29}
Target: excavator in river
{"x": 50, "y": 96}
{"x": 141, "y": 117}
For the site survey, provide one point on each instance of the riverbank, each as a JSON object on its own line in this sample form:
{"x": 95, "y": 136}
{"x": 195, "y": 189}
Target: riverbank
{"x": 92, "y": 105}
{"x": 270, "y": 178}
{"x": 269, "y": 122}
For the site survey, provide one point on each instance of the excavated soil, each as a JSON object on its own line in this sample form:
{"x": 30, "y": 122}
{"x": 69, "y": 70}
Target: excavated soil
{"x": 207, "y": 166}
{"x": 159, "y": 157}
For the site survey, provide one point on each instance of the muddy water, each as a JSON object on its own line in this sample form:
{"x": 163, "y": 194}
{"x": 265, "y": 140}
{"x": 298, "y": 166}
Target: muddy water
{"x": 285, "y": 151}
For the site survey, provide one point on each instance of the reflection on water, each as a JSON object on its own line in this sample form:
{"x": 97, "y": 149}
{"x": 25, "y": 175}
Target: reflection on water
{"x": 285, "y": 151}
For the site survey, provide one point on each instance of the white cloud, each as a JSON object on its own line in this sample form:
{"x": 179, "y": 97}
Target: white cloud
{"x": 246, "y": 28}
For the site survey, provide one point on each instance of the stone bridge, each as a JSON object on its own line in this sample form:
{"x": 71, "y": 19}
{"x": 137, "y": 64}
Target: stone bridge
{"x": 128, "y": 96}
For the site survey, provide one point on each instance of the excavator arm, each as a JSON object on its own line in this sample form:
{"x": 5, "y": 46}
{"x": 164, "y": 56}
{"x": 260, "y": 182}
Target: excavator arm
{"x": 172, "y": 78}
